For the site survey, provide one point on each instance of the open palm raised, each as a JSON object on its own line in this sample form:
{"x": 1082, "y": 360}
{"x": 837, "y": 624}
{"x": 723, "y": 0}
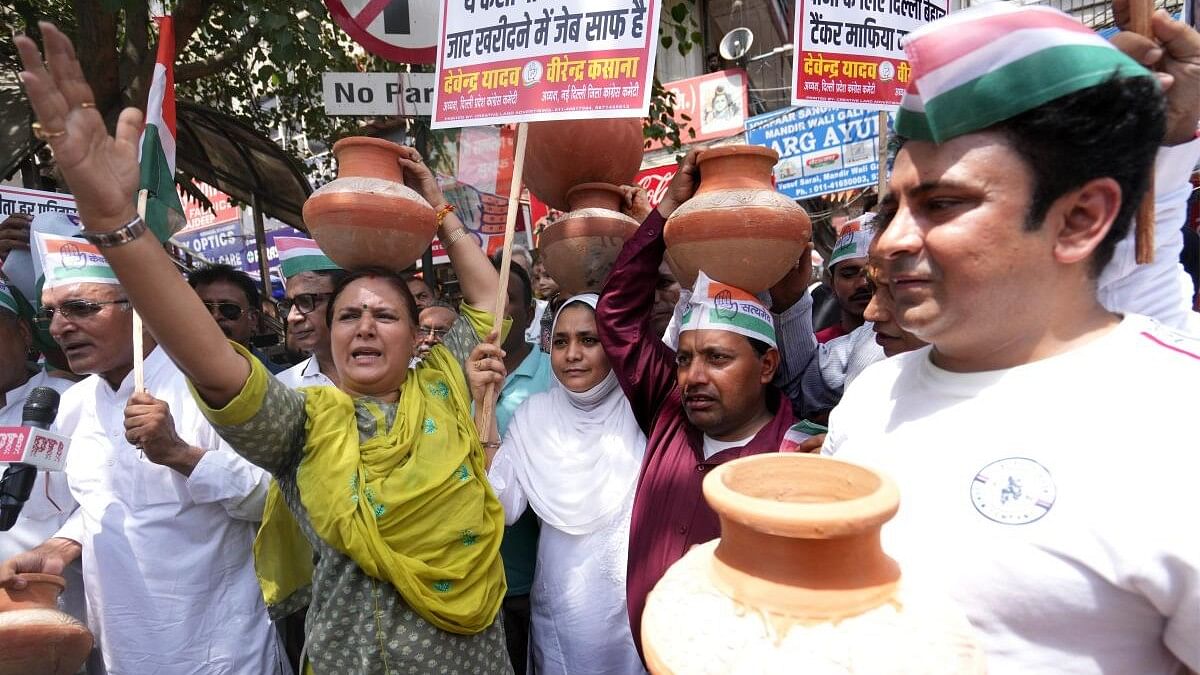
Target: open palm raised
{"x": 102, "y": 171}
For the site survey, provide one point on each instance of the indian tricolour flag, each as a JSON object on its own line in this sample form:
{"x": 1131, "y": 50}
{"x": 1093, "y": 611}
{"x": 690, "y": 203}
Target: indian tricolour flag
{"x": 164, "y": 212}
{"x": 983, "y": 65}
{"x": 297, "y": 255}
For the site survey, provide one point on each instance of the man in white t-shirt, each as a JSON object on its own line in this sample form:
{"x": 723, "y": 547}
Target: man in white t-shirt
{"x": 1041, "y": 443}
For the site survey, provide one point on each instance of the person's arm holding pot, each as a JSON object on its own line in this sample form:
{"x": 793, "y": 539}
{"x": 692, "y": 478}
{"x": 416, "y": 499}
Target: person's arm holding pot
{"x": 102, "y": 172}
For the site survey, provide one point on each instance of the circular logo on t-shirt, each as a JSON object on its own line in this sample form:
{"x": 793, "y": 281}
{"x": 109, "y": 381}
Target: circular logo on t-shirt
{"x": 1013, "y": 491}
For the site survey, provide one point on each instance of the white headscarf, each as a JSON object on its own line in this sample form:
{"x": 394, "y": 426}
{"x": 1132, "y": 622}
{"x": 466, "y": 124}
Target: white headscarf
{"x": 577, "y": 455}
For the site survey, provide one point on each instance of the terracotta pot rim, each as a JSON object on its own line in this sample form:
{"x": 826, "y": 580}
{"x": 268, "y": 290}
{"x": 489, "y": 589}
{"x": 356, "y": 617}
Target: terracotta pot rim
{"x": 737, "y": 149}
{"x": 369, "y": 141}
{"x": 878, "y": 501}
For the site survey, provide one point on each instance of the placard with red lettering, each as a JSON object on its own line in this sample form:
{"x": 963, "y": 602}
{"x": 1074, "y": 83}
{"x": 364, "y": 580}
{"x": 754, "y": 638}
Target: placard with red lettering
{"x": 505, "y": 61}
{"x": 848, "y": 51}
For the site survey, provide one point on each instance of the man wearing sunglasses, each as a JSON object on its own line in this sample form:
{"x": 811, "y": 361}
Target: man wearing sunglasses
{"x": 309, "y": 277}
{"x": 232, "y": 298}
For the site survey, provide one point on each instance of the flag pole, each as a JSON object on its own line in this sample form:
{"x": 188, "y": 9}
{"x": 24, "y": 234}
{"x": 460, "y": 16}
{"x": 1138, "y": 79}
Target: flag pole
{"x": 1140, "y": 13}
{"x": 139, "y": 367}
{"x": 510, "y": 226}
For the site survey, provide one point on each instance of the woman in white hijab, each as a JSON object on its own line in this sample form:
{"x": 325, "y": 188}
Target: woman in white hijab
{"x": 572, "y": 453}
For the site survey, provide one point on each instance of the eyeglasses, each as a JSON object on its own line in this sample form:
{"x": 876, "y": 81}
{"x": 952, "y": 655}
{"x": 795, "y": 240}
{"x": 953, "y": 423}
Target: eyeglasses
{"x": 438, "y": 333}
{"x": 228, "y": 310}
{"x": 305, "y": 303}
{"x": 72, "y": 310}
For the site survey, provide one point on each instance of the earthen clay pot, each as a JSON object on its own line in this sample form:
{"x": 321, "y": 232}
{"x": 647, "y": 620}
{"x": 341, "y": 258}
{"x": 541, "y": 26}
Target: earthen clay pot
{"x": 580, "y": 248}
{"x": 798, "y": 582}
{"x": 737, "y": 228}
{"x": 35, "y": 637}
{"x": 368, "y": 216}
{"x": 562, "y": 154}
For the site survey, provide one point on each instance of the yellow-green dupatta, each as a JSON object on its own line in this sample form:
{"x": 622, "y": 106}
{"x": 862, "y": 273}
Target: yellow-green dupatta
{"x": 411, "y": 506}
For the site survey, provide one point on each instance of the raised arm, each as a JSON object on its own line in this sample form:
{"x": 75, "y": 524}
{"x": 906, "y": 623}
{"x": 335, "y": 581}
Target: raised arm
{"x": 644, "y": 365}
{"x": 477, "y": 278}
{"x": 102, "y": 172}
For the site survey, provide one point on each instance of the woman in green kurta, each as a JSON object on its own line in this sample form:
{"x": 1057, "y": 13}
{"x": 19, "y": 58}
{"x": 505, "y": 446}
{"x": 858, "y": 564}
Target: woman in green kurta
{"x": 384, "y": 476}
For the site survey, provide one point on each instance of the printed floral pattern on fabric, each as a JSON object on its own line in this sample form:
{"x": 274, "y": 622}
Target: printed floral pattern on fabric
{"x": 439, "y": 390}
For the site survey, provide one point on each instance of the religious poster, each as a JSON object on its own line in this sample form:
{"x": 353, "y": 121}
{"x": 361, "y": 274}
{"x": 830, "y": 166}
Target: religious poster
{"x": 848, "y": 51}
{"x": 715, "y": 105}
{"x": 821, "y": 150}
{"x": 505, "y": 61}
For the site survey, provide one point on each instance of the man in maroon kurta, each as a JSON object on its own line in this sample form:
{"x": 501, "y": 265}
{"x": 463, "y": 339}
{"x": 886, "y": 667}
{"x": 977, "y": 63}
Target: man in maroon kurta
{"x": 709, "y": 404}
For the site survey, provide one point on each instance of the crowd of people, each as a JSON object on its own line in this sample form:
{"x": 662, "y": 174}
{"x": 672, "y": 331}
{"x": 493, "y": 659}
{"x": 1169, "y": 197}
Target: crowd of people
{"x": 353, "y": 514}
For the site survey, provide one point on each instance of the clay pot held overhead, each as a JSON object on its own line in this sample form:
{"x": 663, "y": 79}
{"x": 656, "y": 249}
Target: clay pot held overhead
{"x": 562, "y": 154}
{"x": 736, "y": 227}
{"x": 35, "y": 637}
{"x": 799, "y": 583}
{"x": 580, "y": 248}
{"x": 367, "y": 216}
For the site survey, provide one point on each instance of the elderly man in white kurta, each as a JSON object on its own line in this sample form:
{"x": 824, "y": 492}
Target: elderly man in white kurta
{"x": 167, "y": 512}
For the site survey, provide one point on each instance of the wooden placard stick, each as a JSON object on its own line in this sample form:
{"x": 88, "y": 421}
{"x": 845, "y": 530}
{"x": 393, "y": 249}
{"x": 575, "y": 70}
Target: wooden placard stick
{"x": 139, "y": 367}
{"x": 484, "y": 416}
{"x": 1140, "y": 12}
{"x": 883, "y": 143}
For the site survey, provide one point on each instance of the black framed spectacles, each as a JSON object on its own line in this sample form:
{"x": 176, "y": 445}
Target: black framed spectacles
{"x": 305, "y": 303}
{"x": 72, "y": 310}
{"x": 227, "y": 310}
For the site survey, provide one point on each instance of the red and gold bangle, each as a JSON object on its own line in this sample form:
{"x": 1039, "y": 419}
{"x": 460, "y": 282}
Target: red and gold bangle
{"x": 443, "y": 211}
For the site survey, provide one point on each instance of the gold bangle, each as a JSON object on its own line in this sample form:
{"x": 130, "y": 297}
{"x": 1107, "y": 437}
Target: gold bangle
{"x": 443, "y": 211}
{"x": 447, "y": 242}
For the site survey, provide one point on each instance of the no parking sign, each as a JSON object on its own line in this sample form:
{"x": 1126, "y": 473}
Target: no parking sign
{"x": 404, "y": 31}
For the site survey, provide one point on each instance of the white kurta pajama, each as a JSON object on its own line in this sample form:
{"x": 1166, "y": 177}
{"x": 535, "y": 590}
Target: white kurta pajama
{"x": 167, "y": 560}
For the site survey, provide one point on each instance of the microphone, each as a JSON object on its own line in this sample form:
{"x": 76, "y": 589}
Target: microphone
{"x": 17, "y": 483}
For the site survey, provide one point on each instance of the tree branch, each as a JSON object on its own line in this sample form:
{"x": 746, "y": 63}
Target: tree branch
{"x": 189, "y": 14}
{"x": 96, "y": 37}
{"x": 137, "y": 61}
{"x": 195, "y": 70}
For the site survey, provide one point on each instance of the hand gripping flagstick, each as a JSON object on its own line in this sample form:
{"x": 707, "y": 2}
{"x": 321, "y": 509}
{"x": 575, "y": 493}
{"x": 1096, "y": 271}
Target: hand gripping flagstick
{"x": 483, "y": 417}
{"x": 1140, "y": 12}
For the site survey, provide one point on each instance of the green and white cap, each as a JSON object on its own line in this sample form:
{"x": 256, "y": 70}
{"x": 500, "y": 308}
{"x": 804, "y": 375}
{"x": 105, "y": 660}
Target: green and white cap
{"x": 67, "y": 261}
{"x": 853, "y": 240}
{"x": 713, "y": 305}
{"x": 983, "y": 65}
{"x": 7, "y": 299}
{"x": 297, "y": 255}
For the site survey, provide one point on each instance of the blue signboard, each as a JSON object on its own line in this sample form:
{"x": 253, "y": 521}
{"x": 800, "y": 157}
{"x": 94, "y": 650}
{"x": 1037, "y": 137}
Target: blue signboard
{"x": 226, "y": 244}
{"x": 821, "y": 150}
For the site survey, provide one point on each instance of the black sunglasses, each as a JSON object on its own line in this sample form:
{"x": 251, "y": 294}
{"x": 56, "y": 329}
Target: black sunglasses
{"x": 72, "y": 310}
{"x": 227, "y": 310}
{"x": 305, "y": 303}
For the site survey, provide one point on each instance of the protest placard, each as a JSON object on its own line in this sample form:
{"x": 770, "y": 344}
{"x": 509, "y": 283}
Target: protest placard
{"x": 821, "y": 150}
{"x": 848, "y": 51}
{"x": 23, "y": 200}
{"x": 500, "y": 61}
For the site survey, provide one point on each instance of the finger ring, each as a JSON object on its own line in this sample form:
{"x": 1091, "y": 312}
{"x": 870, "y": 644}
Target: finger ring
{"x": 42, "y": 134}
{"x": 87, "y": 104}
{"x": 479, "y": 365}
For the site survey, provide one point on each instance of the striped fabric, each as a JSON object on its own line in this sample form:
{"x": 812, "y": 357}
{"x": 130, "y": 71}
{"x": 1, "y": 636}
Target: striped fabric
{"x": 68, "y": 260}
{"x": 164, "y": 212}
{"x": 986, "y": 64}
{"x": 297, "y": 255}
{"x": 713, "y": 305}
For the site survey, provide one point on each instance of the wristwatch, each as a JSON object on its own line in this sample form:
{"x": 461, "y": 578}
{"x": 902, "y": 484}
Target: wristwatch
{"x": 118, "y": 237}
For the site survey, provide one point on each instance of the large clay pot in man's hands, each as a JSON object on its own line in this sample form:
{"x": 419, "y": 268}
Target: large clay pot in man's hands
{"x": 736, "y": 227}
{"x": 799, "y": 583}
{"x": 580, "y": 248}
{"x": 562, "y": 154}
{"x": 367, "y": 216}
{"x": 35, "y": 637}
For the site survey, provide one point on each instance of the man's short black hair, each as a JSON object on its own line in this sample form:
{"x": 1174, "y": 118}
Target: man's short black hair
{"x": 526, "y": 283}
{"x": 209, "y": 275}
{"x": 334, "y": 276}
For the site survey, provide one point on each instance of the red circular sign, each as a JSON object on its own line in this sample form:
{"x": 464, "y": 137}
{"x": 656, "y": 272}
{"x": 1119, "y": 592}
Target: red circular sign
{"x": 404, "y": 31}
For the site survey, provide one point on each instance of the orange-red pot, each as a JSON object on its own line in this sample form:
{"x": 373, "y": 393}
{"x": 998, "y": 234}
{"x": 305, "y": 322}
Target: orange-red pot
{"x": 580, "y": 248}
{"x": 736, "y": 227}
{"x": 367, "y": 216}
{"x": 562, "y": 154}
{"x": 35, "y": 637}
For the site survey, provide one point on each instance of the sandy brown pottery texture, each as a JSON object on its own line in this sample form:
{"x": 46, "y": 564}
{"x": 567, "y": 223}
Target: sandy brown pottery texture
{"x": 799, "y": 582}
{"x": 367, "y": 216}
{"x": 35, "y": 637}
{"x": 580, "y": 248}
{"x": 562, "y": 154}
{"x": 737, "y": 228}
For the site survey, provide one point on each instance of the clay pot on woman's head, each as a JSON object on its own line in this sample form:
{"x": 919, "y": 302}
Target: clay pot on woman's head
{"x": 736, "y": 227}
{"x": 35, "y": 637}
{"x": 367, "y": 216}
{"x": 562, "y": 154}
{"x": 580, "y": 248}
{"x": 798, "y": 582}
